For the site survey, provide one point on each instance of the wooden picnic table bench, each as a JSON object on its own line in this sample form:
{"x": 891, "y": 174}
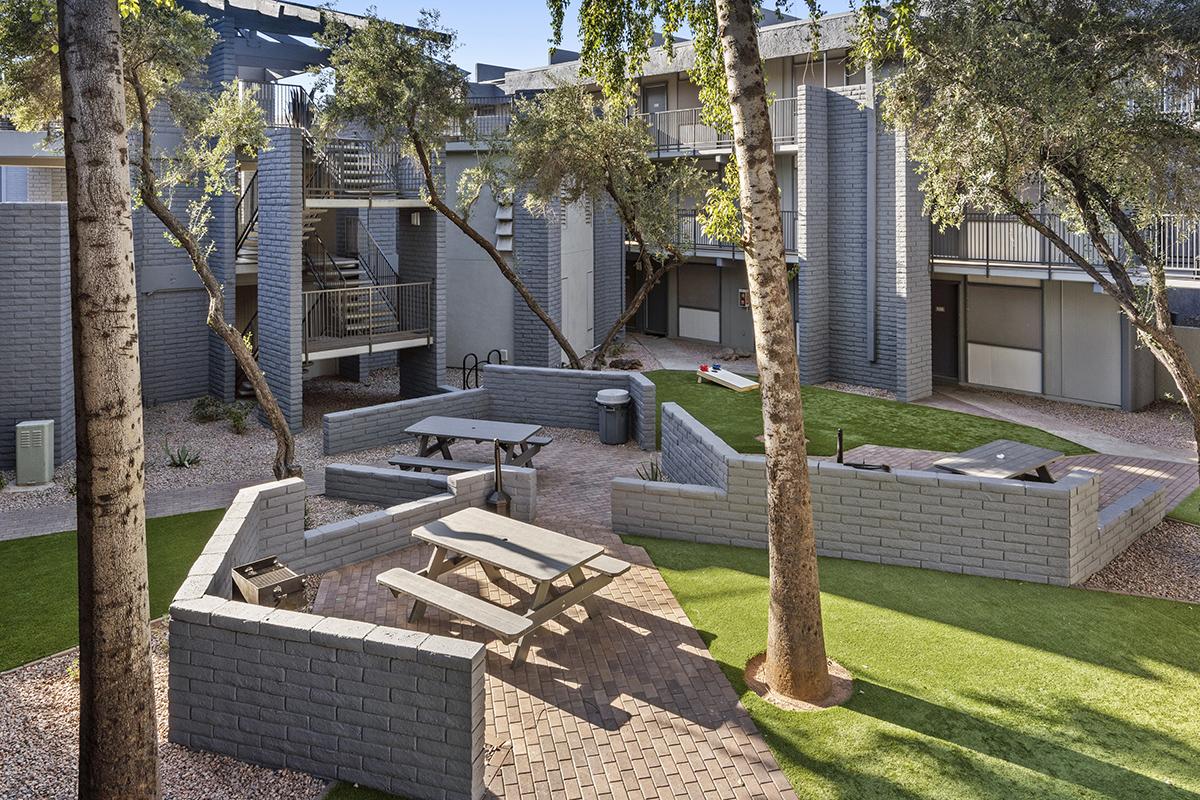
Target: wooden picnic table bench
{"x": 500, "y": 544}
{"x": 1002, "y": 459}
{"x": 521, "y": 442}
{"x": 418, "y": 463}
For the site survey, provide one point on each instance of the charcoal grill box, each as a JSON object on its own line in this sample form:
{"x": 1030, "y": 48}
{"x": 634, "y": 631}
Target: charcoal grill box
{"x": 268, "y": 582}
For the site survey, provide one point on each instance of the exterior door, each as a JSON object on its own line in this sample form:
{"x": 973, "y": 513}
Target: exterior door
{"x": 654, "y": 98}
{"x": 654, "y": 310}
{"x": 945, "y": 329}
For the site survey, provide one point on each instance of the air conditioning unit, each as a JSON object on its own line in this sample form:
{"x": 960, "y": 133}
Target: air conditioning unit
{"x": 35, "y": 452}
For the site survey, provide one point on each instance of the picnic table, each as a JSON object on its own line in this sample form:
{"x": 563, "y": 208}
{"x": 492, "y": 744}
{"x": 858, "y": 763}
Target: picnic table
{"x": 520, "y": 441}
{"x": 1002, "y": 458}
{"x": 500, "y": 544}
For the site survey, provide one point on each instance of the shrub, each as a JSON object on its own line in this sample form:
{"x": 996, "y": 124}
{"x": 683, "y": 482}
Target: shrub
{"x": 239, "y": 417}
{"x": 208, "y": 409}
{"x": 181, "y": 457}
{"x": 3, "y": 481}
{"x": 652, "y": 471}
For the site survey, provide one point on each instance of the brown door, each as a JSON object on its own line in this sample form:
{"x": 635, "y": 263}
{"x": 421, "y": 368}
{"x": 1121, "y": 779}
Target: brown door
{"x": 945, "y": 329}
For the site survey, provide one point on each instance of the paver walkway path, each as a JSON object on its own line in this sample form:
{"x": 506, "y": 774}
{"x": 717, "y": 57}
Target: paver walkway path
{"x": 629, "y": 705}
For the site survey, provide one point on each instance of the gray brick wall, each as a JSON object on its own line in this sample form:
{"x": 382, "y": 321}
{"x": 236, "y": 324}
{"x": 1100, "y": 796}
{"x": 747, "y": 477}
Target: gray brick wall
{"x": 35, "y": 282}
{"x": 222, "y": 69}
{"x": 374, "y": 426}
{"x": 1045, "y": 533}
{"x": 914, "y": 346}
{"x": 173, "y": 344}
{"x": 383, "y": 707}
{"x": 422, "y": 257}
{"x": 565, "y": 398}
{"x": 383, "y": 486}
{"x": 608, "y": 268}
{"x": 280, "y": 316}
{"x": 538, "y": 260}
{"x": 46, "y": 185}
{"x": 812, "y": 234}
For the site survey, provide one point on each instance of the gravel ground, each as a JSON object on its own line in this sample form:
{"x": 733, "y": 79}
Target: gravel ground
{"x": 39, "y": 734}
{"x": 854, "y": 388}
{"x": 225, "y": 456}
{"x": 321, "y": 510}
{"x": 1163, "y": 562}
{"x": 1162, "y": 424}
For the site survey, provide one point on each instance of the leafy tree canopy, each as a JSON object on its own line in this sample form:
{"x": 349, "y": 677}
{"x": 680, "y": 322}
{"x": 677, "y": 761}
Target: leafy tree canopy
{"x": 998, "y": 96}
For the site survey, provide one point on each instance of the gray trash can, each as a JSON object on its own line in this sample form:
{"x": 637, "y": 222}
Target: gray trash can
{"x": 614, "y": 415}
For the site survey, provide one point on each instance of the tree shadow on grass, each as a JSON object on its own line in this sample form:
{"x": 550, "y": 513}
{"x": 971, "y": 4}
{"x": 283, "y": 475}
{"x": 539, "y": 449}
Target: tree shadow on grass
{"x": 1026, "y": 749}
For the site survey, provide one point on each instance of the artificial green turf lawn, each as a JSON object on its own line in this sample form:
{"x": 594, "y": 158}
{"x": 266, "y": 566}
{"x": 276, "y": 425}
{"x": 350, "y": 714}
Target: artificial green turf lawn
{"x": 737, "y": 418}
{"x": 1189, "y": 510}
{"x": 965, "y": 687}
{"x": 39, "y": 585}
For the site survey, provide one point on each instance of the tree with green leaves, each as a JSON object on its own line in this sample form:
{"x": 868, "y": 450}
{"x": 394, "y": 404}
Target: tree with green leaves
{"x": 617, "y": 37}
{"x": 1075, "y": 107}
{"x": 566, "y": 145}
{"x": 118, "y": 744}
{"x": 166, "y": 54}
{"x": 400, "y": 85}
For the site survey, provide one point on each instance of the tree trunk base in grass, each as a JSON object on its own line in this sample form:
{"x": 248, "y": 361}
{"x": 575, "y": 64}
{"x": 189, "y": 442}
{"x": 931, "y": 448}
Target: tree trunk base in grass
{"x": 842, "y": 687}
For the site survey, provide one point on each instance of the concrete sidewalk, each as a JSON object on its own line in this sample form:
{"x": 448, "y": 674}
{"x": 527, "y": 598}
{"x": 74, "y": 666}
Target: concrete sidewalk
{"x": 23, "y": 523}
{"x": 954, "y": 399}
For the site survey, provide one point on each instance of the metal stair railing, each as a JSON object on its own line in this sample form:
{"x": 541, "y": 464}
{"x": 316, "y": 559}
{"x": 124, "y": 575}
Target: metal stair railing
{"x": 246, "y": 213}
{"x": 375, "y": 262}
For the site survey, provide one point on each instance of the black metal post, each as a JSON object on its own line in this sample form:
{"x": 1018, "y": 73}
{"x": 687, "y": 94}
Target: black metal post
{"x": 498, "y": 500}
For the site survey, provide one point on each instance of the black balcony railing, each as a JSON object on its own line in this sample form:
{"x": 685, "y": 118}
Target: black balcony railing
{"x": 690, "y": 234}
{"x": 1003, "y": 240}
{"x": 358, "y": 169}
{"x": 682, "y": 130}
{"x": 284, "y": 105}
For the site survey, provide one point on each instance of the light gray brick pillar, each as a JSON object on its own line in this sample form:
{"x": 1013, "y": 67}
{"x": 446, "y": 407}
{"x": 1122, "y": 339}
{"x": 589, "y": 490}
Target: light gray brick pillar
{"x": 812, "y": 234}
{"x": 914, "y": 338}
{"x": 538, "y": 260}
{"x": 280, "y": 236}
{"x": 222, "y": 229}
{"x": 422, "y": 257}
{"x": 35, "y": 282}
{"x": 608, "y": 268}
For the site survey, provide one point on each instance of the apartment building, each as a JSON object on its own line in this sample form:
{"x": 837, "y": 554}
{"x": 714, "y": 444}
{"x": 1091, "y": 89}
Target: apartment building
{"x": 880, "y": 297}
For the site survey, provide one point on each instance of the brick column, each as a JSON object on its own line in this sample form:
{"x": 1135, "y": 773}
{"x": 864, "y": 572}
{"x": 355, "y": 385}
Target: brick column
{"x": 914, "y": 337}
{"x": 280, "y": 276}
{"x": 422, "y": 257}
{"x": 222, "y": 229}
{"x": 812, "y": 234}
{"x": 538, "y": 260}
{"x": 608, "y": 268}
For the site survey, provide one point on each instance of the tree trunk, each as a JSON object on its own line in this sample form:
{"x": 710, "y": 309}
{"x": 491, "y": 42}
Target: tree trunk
{"x": 118, "y": 754}
{"x": 285, "y": 465}
{"x": 439, "y": 205}
{"x": 795, "y": 660}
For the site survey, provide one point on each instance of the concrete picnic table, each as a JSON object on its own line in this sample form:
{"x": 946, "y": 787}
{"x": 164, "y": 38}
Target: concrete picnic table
{"x": 1002, "y": 459}
{"x": 498, "y": 543}
{"x": 513, "y": 436}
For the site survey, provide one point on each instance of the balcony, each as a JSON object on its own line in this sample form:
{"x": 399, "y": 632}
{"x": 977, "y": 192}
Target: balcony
{"x": 681, "y": 132}
{"x": 356, "y": 320}
{"x": 360, "y": 173}
{"x": 690, "y": 236}
{"x": 492, "y": 116}
{"x": 1002, "y": 245}
{"x": 284, "y": 105}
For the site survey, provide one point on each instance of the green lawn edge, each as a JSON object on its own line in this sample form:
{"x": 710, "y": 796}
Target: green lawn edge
{"x": 965, "y": 687}
{"x": 39, "y": 604}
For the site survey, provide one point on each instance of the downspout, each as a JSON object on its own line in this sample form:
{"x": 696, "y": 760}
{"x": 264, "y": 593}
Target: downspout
{"x": 872, "y": 355}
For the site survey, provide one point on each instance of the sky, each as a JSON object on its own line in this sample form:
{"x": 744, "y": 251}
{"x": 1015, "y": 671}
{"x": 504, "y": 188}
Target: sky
{"x": 511, "y": 33}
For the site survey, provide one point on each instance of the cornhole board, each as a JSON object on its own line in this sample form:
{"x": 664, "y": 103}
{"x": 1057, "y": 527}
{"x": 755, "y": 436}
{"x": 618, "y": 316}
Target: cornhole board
{"x": 727, "y": 379}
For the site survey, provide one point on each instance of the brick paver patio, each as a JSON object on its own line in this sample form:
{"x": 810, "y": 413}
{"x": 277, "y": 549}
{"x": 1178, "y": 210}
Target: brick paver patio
{"x": 629, "y": 705}
{"x": 1118, "y": 474}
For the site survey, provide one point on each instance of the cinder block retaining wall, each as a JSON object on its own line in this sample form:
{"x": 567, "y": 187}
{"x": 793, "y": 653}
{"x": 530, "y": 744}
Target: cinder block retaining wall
{"x": 366, "y": 536}
{"x": 360, "y": 483}
{"x": 566, "y": 398}
{"x": 387, "y": 708}
{"x": 563, "y": 398}
{"x": 372, "y": 426}
{"x": 1048, "y": 533}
